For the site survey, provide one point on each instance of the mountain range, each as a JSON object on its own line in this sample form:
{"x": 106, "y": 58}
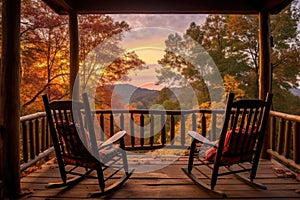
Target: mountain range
{"x": 132, "y": 94}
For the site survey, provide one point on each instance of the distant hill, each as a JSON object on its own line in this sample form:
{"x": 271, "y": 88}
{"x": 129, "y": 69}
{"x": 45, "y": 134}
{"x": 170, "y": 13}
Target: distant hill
{"x": 296, "y": 92}
{"x": 132, "y": 94}
{"x": 142, "y": 98}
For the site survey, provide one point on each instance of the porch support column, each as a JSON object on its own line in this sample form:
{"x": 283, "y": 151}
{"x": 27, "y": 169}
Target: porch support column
{"x": 74, "y": 55}
{"x": 265, "y": 76}
{"x": 265, "y": 71}
{"x": 10, "y": 99}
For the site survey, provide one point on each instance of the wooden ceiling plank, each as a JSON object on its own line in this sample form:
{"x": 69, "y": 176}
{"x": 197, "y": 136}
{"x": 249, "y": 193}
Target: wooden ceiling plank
{"x": 167, "y": 6}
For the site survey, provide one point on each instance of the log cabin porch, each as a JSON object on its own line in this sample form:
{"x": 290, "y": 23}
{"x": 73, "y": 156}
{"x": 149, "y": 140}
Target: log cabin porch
{"x": 158, "y": 175}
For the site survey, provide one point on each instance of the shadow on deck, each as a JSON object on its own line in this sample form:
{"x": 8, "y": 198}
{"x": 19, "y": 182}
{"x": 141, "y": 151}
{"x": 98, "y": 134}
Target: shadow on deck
{"x": 165, "y": 183}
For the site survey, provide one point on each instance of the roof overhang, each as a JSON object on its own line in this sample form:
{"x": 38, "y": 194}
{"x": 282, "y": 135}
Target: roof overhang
{"x": 167, "y": 6}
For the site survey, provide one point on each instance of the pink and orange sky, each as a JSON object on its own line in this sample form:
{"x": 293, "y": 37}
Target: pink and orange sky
{"x": 147, "y": 38}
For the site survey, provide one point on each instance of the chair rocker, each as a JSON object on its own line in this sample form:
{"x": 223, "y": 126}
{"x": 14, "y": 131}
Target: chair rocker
{"x": 238, "y": 149}
{"x": 77, "y": 150}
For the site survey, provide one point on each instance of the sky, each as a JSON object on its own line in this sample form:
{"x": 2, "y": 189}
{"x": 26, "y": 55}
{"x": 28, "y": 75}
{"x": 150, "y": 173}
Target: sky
{"x": 147, "y": 37}
{"x": 177, "y": 22}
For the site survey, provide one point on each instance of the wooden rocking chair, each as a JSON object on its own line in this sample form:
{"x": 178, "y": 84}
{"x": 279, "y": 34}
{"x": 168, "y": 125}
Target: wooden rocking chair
{"x": 240, "y": 143}
{"x": 77, "y": 150}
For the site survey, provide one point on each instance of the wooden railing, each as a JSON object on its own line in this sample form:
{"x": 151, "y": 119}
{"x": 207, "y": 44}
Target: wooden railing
{"x": 285, "y": 138}
{"x": 35, "y": 142}
{"x": 153, "y": 129}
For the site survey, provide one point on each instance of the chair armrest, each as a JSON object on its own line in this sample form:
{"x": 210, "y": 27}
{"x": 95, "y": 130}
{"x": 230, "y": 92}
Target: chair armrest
{"x": 113, "y": 139}
{"x": 201, "y": 139}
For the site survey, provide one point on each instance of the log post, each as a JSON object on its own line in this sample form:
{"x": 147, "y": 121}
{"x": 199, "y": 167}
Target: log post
{"x": 265, "y": 76}
{"x": 265, "y": 71}
{"x": 74, "y": 55}
{"x": 10, "y": 99}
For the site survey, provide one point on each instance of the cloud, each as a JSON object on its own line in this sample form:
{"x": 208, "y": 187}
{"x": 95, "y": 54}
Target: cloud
{"x": 176, "y": 22}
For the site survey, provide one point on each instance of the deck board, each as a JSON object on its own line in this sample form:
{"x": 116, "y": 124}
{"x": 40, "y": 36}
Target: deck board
{"x": 166, "y": 183}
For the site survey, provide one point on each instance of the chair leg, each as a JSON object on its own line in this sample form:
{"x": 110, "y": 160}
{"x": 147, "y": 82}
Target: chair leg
{"x": 253, "y": 170}
{"x": 125, "y": 161}
{"x": 101, "y": 178}
{"x": 214, "y": 176}
{"x": 191, "y": 156}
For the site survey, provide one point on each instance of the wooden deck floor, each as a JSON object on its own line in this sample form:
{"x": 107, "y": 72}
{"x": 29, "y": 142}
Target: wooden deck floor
{"x": 167, "y": 183}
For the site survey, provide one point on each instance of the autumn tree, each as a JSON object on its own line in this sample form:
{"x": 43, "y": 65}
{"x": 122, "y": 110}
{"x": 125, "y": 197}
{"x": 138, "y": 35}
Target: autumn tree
{"x": 103, "y": 60}
{"x": 44, "y": 54}
{"x": 186, "y": 63}
{"x": 232, "y": 42}
{"x": 285, "y": 59}
{"x": 244, "y": 50}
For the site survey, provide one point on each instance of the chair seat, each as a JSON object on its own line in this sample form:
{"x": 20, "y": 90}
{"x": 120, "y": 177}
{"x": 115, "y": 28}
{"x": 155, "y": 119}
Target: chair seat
{"x": 234, "y": 151}
{"x": 80, "y": 154}
{"x": 105, "y": 155}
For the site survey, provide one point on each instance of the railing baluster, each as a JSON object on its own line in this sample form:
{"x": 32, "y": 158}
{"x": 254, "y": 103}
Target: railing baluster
{"x": 132, "y": 130}
{"x": 102, "y": 127}
{"x": 142, "y": 123}
{"x": 296, "y": 143}
{"x": 151, "y": 130}
{"x": 43, "y": 135}
{"x": 172, "y": 129}
{"x": 280, "y": 141}
{"x": 182, "y": 136}
{"x": 122, "y": 121}
{"x": 194, "y": 122}
{"x": 37, "y": 136}
{"x": 163, "y": 129}
{"x": 203, "y": 124}
{"x": 273, "y": 133}
{"x": 49, "y": 139}
{"x": 287, "y": 139}
{"x": 31, "y": 140}
{"x": 25, "y": 141}
{"x": 214, "y": 127}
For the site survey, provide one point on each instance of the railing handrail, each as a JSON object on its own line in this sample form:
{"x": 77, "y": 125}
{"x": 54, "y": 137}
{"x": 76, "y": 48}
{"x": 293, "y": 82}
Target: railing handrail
{"x": 32, "y": 116}
{"x": 154, "y": 111}
{"x": 286, "y": 116}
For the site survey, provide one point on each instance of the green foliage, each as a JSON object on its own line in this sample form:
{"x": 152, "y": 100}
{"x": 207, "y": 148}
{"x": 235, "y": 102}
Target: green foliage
{"x": 232, "y": 42}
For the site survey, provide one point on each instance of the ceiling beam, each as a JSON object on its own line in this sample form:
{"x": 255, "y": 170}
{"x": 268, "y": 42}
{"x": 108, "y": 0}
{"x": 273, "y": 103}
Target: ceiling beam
{"x": 60, "y": 6}
{"x": 167, "y": 6}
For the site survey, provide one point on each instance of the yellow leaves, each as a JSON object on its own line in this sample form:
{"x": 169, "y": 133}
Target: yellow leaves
{"x": 231, "y": 85}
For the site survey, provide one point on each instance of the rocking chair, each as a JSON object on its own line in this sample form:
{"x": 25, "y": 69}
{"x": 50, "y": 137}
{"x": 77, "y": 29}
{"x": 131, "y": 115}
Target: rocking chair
{"x": 77, "y": 150}
{"x": 240, "y": 143}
